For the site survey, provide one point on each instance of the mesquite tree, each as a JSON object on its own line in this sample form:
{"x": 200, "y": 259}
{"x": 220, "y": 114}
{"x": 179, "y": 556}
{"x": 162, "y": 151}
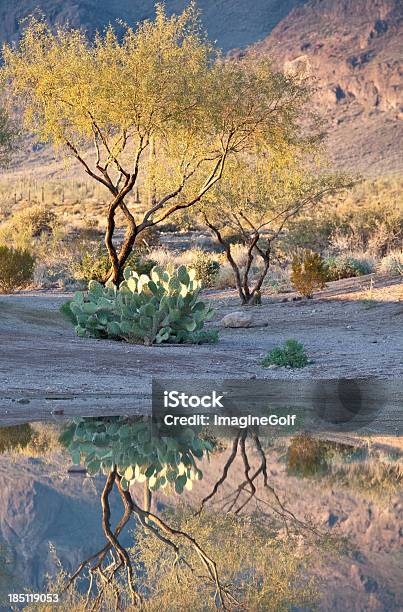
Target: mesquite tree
{"x": 257, "y": 199}
{"x": 157, "y": 110}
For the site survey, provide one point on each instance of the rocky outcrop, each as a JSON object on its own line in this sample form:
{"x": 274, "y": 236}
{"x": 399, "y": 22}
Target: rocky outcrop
{"x": 353, "y": 49}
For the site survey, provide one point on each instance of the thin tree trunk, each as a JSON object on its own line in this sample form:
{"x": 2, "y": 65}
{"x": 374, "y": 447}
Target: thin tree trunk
{"x": 265, "y": 255}
{"x": 147, "y": 497}
{"x": 231, "y": 261}
{"x": 246, "y": 290}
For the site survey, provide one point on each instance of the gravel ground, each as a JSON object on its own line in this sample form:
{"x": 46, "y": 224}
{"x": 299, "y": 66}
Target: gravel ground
{"x": 348, "y": 330}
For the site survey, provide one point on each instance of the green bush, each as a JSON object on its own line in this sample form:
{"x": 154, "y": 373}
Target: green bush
{"x": 16, "y": 269}
{"x": 308, "y": 273}
{"x": 292, "y": 354}
{"x": 92, "y": 265}
{"x": 206, "y": 268}
{"x": 392, "y": 264}
{"x": 160, "y": 308}
{"x": 345, "y": 266}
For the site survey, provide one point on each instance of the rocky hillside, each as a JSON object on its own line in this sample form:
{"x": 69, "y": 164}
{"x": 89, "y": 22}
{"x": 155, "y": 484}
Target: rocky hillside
{"x": 232, "y": 23}
{"x": 354, "y": 49}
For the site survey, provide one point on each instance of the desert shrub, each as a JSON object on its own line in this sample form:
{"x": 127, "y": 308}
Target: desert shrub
{"x": 344, "y": 465}
{"x": 92, "y": 265}
{"x": 307, "y": 232}
{"x": 240, "y": 254}
{"x": 367, "y": 218}
{"x": 206, "y": 267}
{"x": 292, "y": 354}
{"x": 262, "y": 571}
{"x": 147, "y": 240}
{"x": 168, "y": 227}
{"x": 27, "y": 225}
{"x": 278, "y": 280}
{"x": 307, "y": 456}
{"x": 141, "y": 266}
{"x": 233, "y": 237}
{"x": 225, "y": 278}
{"x": 392, "y": 264}
{"x": 163, "y": 307}
{"x": 95, "y": 265}
{"x": 308, "y": 273}
{"x": 14, "y": 436}
{"x": 34, "y": 440}
{"x": 16, "y": 269}
{"x": 346, "y": 266}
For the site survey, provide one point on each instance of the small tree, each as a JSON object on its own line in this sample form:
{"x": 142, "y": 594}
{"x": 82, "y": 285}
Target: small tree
{"x": 257, "y": 199}
{"x": 157, "y": 111}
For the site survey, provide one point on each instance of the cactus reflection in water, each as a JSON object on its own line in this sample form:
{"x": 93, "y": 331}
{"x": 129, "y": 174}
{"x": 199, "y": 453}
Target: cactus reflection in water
{"x": 138, "y": 450}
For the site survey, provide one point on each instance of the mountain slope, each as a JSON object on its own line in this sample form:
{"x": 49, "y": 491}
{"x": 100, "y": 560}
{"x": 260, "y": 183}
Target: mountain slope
{"x": 354, "y": 49}
{"x": 233, "y": 23}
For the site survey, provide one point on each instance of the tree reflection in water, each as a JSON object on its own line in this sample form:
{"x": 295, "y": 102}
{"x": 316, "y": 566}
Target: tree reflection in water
{"x": 129, "y": 451}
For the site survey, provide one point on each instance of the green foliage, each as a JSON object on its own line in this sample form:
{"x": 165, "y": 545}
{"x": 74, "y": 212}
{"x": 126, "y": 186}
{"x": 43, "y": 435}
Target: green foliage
{"x": 292, "y": 354}
{"x": 65, "y": 310}
{"x": 308, "y": 231}
{"x": 345, "y": 266}
{"x": 139, "y": 449}
{"x": 154, "y": 103}
{"x": 92, "y": 265}
{"x": 16, "y": 269}
{"x": 160, "y": 308}
{"x": 206, "y": 268}
{"x": 392, "y": 264}
{"x": 308, "y": 273}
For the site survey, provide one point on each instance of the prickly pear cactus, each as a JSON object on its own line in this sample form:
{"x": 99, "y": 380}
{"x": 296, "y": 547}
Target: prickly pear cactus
{"x": 139, "y": 451}
{"x": 162, "y": 307}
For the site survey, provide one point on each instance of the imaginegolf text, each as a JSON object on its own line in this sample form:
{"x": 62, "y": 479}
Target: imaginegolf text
{"x": 230, "y": 421}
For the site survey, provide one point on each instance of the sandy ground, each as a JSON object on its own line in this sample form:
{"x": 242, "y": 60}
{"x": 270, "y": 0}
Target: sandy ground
{"x": 348, "y": 329}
